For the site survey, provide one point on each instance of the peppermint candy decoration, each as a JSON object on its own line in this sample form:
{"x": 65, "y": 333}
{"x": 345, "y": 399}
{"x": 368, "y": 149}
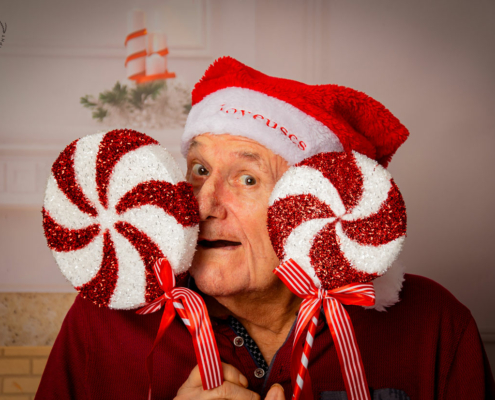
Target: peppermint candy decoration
{"x": 116, "y": 202}
{"x": 340, "y": 216}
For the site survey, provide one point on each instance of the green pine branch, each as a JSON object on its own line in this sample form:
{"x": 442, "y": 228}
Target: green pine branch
{"x": 100, "y": 114}
{"x": 88, "y": 101}
{"x": 115, "y": 97}
{"x": 142, "y": 91}
{"x": 124, "y": 98}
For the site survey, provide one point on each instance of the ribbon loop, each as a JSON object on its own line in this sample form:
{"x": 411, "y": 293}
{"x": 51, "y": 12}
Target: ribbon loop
{"x": 357, "y": 294}
{"x": 192, "y": 310}
{"x": 340, "y": 325}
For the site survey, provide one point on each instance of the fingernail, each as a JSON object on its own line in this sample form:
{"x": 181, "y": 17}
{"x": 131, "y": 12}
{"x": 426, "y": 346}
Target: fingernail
{"x": 275, "y": 394}
{"x": 243, "y": 380}
{"x": 279, "y": 385}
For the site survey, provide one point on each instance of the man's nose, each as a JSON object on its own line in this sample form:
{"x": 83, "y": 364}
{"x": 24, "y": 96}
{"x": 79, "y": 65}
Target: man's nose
{"x": 211, "y": 199}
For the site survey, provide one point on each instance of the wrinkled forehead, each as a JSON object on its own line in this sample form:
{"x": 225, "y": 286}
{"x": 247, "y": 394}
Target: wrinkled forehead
{"x": 231, "y": 144}
{"x": 236, "y": 149}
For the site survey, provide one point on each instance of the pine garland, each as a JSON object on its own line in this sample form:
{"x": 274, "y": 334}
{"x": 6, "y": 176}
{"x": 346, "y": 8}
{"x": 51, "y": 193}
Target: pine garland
{"x": 148, "y": 105}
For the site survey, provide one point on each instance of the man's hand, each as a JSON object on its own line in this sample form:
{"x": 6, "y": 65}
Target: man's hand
{"x": 234, "y": 387}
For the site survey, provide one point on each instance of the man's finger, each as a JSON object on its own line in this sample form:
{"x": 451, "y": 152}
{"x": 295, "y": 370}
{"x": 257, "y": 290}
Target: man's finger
{"x": 193, "y": 380}
{"x": 232, "y": 374}
{"x": 276, "y": 392}
{"x": 230, "y": 391}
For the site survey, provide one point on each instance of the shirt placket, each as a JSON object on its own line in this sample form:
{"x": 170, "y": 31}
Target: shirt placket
{"x": 239, "y": 355}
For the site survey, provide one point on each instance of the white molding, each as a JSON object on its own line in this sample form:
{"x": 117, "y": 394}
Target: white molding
{"x": 24, "y": 169}
{"x": 313, "y": 38}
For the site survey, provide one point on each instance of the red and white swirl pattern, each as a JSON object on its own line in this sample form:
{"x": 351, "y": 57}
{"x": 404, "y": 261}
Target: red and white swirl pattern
{"x": 340, "y": 216}
{"x": 116, "y": 202}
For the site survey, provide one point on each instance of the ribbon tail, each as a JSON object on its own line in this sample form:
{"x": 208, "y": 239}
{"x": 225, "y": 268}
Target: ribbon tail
{"x": 167, "y": 317}
{"x": 205, "y": 346}
{"x": 345, "y": 342}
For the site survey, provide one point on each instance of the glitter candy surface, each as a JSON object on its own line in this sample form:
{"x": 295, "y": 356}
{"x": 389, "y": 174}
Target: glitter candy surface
{"x": 341, "y": 170}
{"x": 388, "y": 224}
{"x": 63, "y": 171}
{"x": 114, "y": 204}
{"x": 289, "y": 212}
{"x": 330, "y": 264}
{"x": 113, "y": 146}
{"x": 149, "y": 253}
{"x": 63, "y": 239}
{"x": 176, "y": 200}
{"x": 100, "y": 289}
{"x": 348, "y": 227}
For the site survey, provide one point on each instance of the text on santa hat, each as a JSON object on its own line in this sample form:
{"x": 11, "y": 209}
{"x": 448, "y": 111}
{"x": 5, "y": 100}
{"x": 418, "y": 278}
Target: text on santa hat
{"x": 271, "y": 124}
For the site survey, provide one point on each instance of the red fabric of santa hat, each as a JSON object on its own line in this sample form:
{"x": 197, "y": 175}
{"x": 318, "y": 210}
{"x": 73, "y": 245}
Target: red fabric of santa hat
{"x": 290, "y": 118}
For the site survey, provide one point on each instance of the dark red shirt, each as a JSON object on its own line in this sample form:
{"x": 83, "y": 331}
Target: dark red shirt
{"x": 425, "y": 347}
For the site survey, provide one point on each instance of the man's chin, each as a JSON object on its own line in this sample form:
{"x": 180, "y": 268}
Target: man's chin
{"x": 219, "y": 259}
{"x": 215, "y": 282}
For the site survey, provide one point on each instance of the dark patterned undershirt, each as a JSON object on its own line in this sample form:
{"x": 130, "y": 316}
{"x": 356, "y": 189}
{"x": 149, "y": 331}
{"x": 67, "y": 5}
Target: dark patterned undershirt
{"x": 248, "y": 342}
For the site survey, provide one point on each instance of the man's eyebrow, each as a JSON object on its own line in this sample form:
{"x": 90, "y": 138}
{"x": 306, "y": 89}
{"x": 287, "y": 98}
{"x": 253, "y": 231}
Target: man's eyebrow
{"x": 194, "y": 143}
{"x": 250, "y": 156}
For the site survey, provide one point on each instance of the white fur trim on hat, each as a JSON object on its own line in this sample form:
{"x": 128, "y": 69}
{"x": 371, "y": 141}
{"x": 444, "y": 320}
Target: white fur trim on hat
{"x": 277, "y": 125}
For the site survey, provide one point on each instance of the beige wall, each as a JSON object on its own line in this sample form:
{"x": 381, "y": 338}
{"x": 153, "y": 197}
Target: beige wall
{"x": 431, "y": 63}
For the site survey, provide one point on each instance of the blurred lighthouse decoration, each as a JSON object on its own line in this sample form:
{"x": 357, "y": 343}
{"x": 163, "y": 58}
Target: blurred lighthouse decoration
{"x": 146, "y": 51}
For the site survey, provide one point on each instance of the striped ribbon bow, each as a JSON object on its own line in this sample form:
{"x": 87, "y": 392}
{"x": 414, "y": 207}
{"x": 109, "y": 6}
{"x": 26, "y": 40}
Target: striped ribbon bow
{"x": 340, "y": 325}
{"x": 192, "y": 310}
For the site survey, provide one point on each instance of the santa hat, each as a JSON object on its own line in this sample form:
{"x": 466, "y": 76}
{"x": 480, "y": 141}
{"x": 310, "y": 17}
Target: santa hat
{"x": 290, "y": 118}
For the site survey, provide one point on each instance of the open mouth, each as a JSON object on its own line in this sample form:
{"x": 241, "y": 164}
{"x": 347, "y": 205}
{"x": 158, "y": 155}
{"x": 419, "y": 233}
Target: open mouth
{"x": 216, "y": 244}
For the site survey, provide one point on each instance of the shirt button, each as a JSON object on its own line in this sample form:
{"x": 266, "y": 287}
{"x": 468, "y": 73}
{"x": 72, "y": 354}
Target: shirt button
{"x": 259, "y": 372}
{"x": 239, "y": 341}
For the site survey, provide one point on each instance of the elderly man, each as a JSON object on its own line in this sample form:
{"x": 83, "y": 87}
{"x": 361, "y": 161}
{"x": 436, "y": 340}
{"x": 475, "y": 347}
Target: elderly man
{"x": 244, "y": 131}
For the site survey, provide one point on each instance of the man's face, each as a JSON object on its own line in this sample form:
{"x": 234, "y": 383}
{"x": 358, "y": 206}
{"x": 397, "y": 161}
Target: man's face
{"x": 233, "y": 178}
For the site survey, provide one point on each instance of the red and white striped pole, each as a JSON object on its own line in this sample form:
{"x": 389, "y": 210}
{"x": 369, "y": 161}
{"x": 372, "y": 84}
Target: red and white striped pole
{"x": 303, "y": 365}
{"x": 339, "y": 323}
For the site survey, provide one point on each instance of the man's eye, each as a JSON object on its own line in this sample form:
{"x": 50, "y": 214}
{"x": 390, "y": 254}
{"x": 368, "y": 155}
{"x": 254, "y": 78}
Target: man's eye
{"x": 200, "y": 170}
{"x": 248, "y": 180}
